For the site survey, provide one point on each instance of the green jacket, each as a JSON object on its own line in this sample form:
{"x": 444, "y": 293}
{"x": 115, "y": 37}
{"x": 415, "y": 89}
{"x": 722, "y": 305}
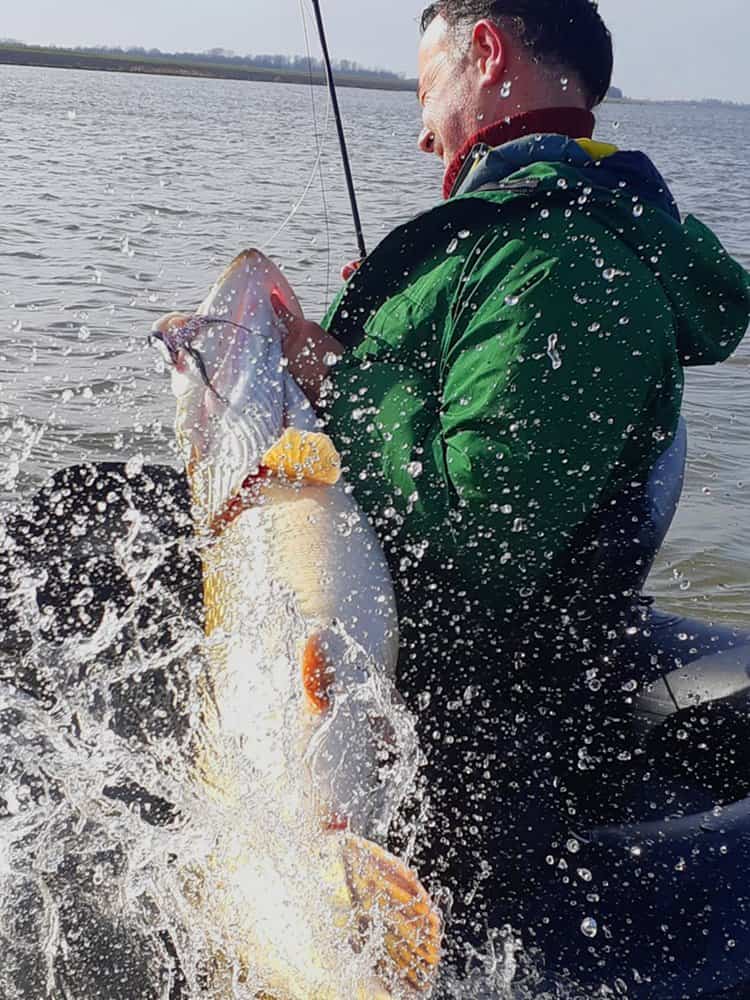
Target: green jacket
{"x": 516, "y": 362}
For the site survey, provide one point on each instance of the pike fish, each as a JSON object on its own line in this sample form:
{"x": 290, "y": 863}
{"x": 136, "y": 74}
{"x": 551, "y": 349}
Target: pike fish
{"x": 301, "y": 644}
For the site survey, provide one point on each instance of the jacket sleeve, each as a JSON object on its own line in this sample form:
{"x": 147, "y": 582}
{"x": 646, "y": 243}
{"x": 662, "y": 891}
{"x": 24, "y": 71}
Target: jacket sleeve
{"x": 551, "y": 390}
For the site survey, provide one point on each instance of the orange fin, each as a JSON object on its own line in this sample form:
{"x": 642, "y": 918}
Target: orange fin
{"x": 387, "y": 893}
{"x": 317, "y": 674}
{"x": 304, "y": 455}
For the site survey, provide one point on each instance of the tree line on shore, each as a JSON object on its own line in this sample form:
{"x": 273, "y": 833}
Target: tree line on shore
{"x": 285, "y": 63}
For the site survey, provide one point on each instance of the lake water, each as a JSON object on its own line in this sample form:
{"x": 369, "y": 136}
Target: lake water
{"x": 121, "y": 197}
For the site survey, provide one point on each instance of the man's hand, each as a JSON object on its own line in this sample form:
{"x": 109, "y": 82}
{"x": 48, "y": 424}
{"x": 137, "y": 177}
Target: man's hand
{"x": 309, "y": 349}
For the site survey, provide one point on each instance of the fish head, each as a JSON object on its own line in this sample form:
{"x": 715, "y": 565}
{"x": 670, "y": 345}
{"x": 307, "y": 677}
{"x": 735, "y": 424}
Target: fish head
{"x": 228, "y": 376}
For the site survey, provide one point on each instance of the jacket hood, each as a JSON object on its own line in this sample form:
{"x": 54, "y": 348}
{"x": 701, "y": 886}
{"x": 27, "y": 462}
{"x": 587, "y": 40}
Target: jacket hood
{"x": 708, "y": 291}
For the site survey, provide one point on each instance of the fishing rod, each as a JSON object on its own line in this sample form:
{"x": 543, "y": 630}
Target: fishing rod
{"x": 340, "y": 129}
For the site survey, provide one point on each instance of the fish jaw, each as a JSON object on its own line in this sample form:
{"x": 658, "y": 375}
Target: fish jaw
{"x": 229, "y": 380}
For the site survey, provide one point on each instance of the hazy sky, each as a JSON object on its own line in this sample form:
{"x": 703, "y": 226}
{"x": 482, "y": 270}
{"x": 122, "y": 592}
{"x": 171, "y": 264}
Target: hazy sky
{"x": 664, "y": 48}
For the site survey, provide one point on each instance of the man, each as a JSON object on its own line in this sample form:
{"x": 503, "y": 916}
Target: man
{"x": 502, "y": 375}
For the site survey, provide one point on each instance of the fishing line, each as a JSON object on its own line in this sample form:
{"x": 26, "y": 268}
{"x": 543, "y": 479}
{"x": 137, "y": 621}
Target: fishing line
{"x": 267, "y": 243}
{"x": 323, "y": 198}
{"x": 340, "y": 129}
{"x": 317, "y": 165}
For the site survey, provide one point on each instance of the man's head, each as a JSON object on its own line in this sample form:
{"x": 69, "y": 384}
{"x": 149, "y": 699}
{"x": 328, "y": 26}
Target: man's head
{"x": 481, "y": 61}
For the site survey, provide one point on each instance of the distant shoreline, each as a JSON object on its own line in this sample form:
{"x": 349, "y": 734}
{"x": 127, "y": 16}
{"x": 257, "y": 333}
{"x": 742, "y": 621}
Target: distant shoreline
{"x": 165, "y": 65}
{"x": 68, "y": 59}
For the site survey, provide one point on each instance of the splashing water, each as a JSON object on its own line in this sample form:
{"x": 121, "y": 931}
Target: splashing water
{"x": 120, "y": 873}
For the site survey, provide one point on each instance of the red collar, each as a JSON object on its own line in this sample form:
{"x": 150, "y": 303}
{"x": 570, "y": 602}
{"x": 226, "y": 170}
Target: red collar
{"x": 576, "y": 123}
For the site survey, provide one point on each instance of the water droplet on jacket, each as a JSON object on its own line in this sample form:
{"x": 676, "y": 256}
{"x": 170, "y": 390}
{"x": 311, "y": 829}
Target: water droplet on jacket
{"x": 414, "y": 469}
{"x": 506, "y": 88}
{"x": 552, "y": 352}
{"x": 638, "y": 210}
{"x": 511, "y": 300}
{"x": 573, "y": 845}
{"x": 584, "y": 874}
{"x": 464, "y": 233}
{"x": 589, "y": 927}
{"x": 452, "y": 246}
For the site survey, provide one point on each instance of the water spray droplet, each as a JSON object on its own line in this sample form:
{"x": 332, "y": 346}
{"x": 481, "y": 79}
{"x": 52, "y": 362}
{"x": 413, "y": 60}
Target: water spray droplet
{"x": 552, "y": 352}
{"x": 589, "y": 927}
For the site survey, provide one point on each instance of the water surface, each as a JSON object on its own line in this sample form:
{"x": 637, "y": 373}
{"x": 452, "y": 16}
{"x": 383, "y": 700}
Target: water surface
{"x": 121, "y": 196}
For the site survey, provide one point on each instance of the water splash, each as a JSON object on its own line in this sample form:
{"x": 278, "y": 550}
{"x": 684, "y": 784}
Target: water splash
{"x": 119, "y": 868}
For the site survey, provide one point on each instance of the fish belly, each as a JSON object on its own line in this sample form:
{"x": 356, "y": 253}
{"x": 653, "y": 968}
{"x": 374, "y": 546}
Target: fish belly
{"x": 310, "y": 547}
{"x": 303, "y": 567}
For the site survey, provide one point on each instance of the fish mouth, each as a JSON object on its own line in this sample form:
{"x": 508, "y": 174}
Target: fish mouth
{"x": 173, "y": 337}
{"x": 173, "y": 334}
{"x": 227, "y": 304}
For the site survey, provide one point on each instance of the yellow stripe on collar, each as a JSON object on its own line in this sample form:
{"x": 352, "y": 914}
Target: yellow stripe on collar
{"x": 597, "y": 150}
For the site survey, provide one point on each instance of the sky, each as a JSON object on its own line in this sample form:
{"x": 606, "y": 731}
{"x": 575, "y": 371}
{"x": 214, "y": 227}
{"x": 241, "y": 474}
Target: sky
{"x": 664, "y": 48}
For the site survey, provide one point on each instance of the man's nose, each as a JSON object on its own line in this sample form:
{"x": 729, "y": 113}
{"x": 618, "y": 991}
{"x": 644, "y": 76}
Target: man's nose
{"x": 426, "y": 141}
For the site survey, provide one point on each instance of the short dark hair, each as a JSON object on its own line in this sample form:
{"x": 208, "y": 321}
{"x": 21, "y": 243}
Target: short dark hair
{"x": 568, "y": 32}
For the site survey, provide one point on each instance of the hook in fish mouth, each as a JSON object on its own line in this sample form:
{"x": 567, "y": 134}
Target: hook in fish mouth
{"x": 179, "y": 337}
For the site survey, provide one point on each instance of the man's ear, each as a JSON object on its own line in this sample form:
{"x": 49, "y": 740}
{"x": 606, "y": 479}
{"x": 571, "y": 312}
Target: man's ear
{"x": 489, "y": 48}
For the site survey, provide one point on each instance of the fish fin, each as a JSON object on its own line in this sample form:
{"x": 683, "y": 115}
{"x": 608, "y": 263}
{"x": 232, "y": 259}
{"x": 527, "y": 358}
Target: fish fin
{"x": 304, "y": 455}
{"x": 317, "y": 674}
{"x": 388, "y": 893}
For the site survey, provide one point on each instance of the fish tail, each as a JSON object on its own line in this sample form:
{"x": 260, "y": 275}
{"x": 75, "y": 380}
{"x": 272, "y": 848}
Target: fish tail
{"x": 388, "y": 895}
